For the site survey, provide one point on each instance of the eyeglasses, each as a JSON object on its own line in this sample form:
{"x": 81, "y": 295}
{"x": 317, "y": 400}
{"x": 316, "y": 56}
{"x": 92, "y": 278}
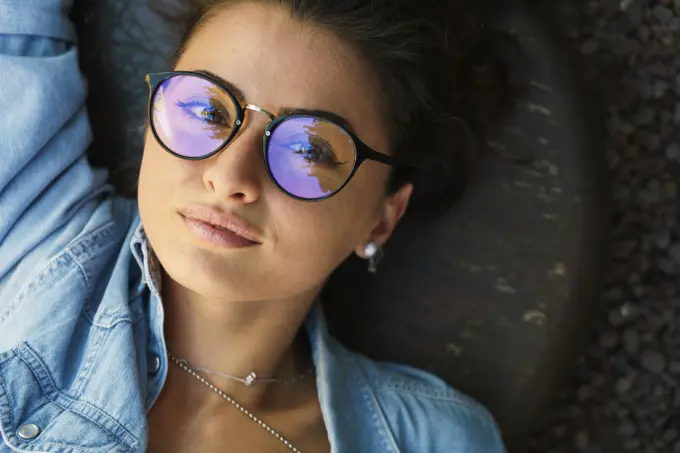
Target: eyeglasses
{"x": 309, "y": 157}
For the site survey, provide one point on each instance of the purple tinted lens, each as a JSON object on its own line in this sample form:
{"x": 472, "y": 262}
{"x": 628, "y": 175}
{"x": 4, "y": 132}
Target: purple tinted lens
{"x": 192, "y": 116}
{"x": 309, "y": 157}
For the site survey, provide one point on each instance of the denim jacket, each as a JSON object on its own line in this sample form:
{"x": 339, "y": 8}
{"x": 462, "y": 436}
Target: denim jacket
{"x": 82, "y": 353}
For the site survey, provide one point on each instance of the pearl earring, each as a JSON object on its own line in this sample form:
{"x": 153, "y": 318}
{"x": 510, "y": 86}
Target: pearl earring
{"x": 374, "y": 253}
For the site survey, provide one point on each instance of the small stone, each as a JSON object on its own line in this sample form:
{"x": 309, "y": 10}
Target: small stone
{"x": 631, "y": 341}
{"x": 613, "y": 158}
{"x": 634, "y": 11}
{"x": 669, "y": 380}
{"x": 663, "y": 14}
{"x": 626, "y": 429}
{"x": 638, "y": 290}
{"x": 673, "y": 150}
{"x": 590, "y": 47}
{"x": 623, "y": 385}
{"x": 630, "y": 310}
{"x": 654, "y": 188}
{"x": 584, "y": 393}
{"x": 666, "y": 118}
{"x": 674, "y": 252}
{"x": 625, "y": 129}
{"x": 674, "y": 367}
{"x": 659, "y": 89}
{"x": 644, "y": 117}
{"x": 653, "y": 361}
{"x": 659, "y": 391}
{"x": 670, "y": 189}
{"x": 634, "y": 46}
{"x": 645, "y": 89}
{"x": 663, "y": 239}
{"x": 631, "y": 444}
{"x": 623, "y": 249}
{"x": 609, "y": 339}
{"x": 615, "y": 318}
{"x": 645, "y": 199}
{"x": 648, "y": 337}
{"x": 559, "y": 431}
{"x": 581, "y": 440}
{"x": 644, "y": 33}
{"x": 632, "y": 151}
{"x": 670, "y": 435}
{"x": 674, "y": 25}
{"x": 622, "y": 364}
{"x": 666, "y": 266}
{"x": 622, "y": 193}
{"x": 614, "y": 294}
{"x": 651, "y": 142}
{"x": 619, "y": 46}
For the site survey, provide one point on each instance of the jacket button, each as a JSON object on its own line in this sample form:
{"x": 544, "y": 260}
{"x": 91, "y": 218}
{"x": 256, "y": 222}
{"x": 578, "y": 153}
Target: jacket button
{"x": 154, "y": 365}
{"x": 28, "y": 431}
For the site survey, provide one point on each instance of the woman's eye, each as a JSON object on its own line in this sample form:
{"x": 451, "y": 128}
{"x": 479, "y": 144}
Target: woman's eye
{"x": 317, "y": 154}
{"x": 206, "y": 112}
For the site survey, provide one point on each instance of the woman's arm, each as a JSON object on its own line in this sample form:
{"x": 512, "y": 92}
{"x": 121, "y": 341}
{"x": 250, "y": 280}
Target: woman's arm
{"x": 46, "y": 183}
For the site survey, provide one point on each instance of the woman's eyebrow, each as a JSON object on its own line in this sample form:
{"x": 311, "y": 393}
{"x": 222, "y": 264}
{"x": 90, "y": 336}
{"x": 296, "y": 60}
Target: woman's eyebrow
{"x": 236, "y": 91}
{"x": 322, "y": 113}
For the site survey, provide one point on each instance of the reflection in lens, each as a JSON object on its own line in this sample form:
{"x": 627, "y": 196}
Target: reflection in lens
{"x": 192, "y": 116}
{"x": 310, "y": 157}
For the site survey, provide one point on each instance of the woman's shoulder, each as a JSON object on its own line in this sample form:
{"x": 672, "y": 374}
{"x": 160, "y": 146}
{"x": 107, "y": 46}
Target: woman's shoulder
{"x": 425, "y": 412}
{"x": 392, "y": 407}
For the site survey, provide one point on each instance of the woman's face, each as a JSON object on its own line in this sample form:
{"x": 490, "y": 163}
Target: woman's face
{"x": 276, "y": 62}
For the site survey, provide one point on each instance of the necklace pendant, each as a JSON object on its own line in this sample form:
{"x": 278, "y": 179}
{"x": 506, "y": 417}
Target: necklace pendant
{"x": 250, "y": 379}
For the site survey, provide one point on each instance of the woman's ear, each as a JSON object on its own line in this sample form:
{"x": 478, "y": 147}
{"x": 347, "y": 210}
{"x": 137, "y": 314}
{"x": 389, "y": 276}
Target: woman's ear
{"x": 391, "y": 211}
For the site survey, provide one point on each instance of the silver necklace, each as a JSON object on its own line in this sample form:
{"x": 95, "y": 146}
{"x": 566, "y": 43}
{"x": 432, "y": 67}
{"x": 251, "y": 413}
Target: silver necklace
{"x": 250, "y": 379}
{"x": 183, "y": 364}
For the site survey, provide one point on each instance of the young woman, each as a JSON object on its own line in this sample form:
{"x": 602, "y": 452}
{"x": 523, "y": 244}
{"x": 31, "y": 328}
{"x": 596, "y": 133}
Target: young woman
{"x": 288, "y": 135}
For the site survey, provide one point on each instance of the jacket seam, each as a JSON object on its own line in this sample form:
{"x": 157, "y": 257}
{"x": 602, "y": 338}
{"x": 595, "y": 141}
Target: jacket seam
{"x": 80, "y": 267}
{"x": 387, "y": 439}
{"x": 101, "y": 232}
{"x": 48, "y": 268}
{"x": 447, "y": 394}
{"x": 97, "y": 324}
{"x": 91, "y": 353}
{"x": 9, "y": 401}
{"x": 470, "y": 407}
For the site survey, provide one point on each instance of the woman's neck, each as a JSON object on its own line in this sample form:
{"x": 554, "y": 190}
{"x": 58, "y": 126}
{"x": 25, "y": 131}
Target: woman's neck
{"x": 238, "y": 338}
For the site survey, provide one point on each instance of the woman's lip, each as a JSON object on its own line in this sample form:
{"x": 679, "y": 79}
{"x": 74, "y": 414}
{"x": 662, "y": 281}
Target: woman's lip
{"x": 223, "y": 220}
{"x": 212, "y": 235}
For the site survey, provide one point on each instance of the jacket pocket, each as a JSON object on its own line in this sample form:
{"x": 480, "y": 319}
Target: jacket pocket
{"x": 30, "y": 399}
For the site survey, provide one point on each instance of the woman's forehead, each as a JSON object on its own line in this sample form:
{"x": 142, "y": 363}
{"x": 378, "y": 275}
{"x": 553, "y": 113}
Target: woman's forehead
{"x": 277, "y": 61}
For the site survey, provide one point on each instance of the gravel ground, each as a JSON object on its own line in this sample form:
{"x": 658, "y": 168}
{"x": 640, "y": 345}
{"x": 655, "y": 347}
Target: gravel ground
{"x": 624, "y": 395}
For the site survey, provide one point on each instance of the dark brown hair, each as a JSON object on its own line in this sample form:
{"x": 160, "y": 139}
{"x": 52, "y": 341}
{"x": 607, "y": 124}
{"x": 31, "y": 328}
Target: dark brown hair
{"x": 446, "y": 76}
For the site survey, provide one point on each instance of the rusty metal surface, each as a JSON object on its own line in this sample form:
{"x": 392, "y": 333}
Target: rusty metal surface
{"x": 495, "y": 296}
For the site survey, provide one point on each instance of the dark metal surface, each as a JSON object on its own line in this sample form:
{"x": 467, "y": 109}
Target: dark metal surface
{"x": 494, "y": 297}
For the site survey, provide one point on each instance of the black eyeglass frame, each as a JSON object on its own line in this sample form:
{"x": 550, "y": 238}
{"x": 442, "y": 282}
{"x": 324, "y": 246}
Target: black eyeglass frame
{"x": 362, "y": 152}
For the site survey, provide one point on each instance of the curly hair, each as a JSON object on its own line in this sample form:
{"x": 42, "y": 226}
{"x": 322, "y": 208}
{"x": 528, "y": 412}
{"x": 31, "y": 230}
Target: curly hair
{"x": 447, "y": 78}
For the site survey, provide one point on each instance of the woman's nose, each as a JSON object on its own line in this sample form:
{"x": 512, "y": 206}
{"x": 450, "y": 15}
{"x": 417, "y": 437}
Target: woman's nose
{"x": 237, "y": 173}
